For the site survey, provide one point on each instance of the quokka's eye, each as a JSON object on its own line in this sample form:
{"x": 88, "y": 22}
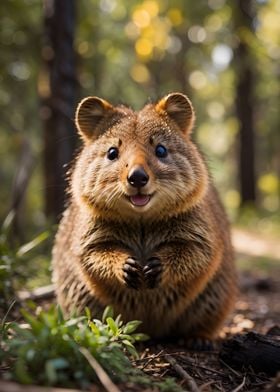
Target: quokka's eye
{"x": 161, "y": 151}
{"x": 112, "y": 153}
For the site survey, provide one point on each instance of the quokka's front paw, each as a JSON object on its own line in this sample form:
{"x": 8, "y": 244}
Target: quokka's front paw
{"x": 132, "y": 272}
{"x": 152, "y": 272}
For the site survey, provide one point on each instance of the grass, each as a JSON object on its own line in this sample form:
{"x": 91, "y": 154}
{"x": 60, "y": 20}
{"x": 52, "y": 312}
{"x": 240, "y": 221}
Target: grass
{"x": 22, "y": 266}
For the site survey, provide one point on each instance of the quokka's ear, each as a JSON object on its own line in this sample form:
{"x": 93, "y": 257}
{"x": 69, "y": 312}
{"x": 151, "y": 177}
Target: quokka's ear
{"x": 89, "y": 117}
{"x": 179, "y": 108}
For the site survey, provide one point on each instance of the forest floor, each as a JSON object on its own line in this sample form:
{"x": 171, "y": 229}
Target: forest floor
{"x": 257, "y": 309}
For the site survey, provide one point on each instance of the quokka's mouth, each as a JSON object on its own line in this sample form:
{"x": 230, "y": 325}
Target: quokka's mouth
{"x": 139, "y": 200}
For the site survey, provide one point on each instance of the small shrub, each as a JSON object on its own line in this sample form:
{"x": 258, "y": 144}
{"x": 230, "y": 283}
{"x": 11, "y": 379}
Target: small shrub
{"x": 49, "y": 350}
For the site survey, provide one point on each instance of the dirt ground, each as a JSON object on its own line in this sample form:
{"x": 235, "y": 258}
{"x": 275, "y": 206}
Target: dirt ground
{"x": 258, "y": 309}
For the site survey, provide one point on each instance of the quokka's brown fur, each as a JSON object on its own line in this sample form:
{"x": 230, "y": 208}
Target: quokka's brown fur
{"x": 158, "y": 250}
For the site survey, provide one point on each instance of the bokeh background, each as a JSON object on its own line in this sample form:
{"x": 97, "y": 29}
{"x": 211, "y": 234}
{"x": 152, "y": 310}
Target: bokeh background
{"x": 223, "y": 54}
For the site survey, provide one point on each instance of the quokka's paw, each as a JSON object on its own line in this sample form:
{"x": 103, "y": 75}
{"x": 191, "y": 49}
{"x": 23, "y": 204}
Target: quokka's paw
{"x": 132, "y": 272}
{"x": 152, "y": 272}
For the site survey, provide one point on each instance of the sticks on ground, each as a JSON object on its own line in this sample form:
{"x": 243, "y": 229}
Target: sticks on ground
{"x": 100, "y": 372}
{"x": 182, "y": 373}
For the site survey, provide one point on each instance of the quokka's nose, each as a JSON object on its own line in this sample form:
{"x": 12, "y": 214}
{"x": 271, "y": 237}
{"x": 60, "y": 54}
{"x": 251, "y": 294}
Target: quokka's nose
{"x": 137, "y": 177}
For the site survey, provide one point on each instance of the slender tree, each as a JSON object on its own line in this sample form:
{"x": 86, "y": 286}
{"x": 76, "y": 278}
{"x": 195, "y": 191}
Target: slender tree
{"x": 244, "y": 66}
{"x": 60, "y": 98}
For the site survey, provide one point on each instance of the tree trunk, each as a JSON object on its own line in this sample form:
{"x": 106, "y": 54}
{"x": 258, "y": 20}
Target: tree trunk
{"x": 59, "y": 100}
{"x": 244, "y": 101}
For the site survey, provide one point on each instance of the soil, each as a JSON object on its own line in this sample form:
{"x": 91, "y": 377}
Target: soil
{"x": 257, "y": 309}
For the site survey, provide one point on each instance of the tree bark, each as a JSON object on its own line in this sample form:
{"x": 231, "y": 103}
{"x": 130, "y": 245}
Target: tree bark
{"x": 245, "y": 101}
{"x": 59, "y": 100}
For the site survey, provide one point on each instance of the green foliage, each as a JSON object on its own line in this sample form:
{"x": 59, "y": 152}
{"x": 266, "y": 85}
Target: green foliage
{"x": 6, "y": 262}
{"x": 259, "y": 221}
{"x": 32, "y": 265}
{"x": 19, "y": 66}
{"x": 7, "y": 265}
{"x": 46, "y": 349}
{"x": 15, "y": 261}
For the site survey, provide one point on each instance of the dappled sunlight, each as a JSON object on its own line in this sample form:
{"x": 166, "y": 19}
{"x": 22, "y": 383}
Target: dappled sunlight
{"x": 222, "y": 56}
{"x": 140, "y": 73}
{"x": 197, "y": 34}
{"x": 254, "y": 244}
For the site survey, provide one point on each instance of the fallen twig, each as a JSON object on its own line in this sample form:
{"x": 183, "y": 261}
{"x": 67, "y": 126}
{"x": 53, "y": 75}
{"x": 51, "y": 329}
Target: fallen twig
{"x": 240, "y": 386}
{"x": 44, "y": 292}
{"x": 182, "y": 373}
{"x": 192, "y": 363}
{"x": 230, "y": 368}
{"x": 100, "y": 372}
{"x": 160, "y": 354}
{"x": 151, "y": 359}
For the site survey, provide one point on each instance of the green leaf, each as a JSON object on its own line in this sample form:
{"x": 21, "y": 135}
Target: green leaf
{"x": 112, "y": 325}
{"x": 140, "y": 337}
{"x": 88, "y": 313}
{"x": 35, "y": 324}
{"x": 118, "y": 321}
{"x": 130, "y": 348}
{"x": 124, "y": 336}
{"x": 50, "y": 372}
{"x": 131, "y": 326}
{"x": 108, "y": 312}
{"x": 60, "y": 316}
{"x": 32, "y": 244}
{"x": 75, "y": 321}
{"x": 94, "y": 328}
{"x": 21, "y": 372}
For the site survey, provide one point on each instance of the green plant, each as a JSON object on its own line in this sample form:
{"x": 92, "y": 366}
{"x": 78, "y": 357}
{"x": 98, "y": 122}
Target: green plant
{"x": 15, "y": 263}
{"x": 50, "y": 350}
{"x": 6, "y": 263}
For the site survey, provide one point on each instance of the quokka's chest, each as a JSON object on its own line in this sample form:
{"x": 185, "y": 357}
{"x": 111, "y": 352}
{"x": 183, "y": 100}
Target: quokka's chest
{"x": 142, "y": 240}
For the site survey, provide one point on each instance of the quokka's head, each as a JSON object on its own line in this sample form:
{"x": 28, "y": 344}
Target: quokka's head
{"x": 138, "y": 164}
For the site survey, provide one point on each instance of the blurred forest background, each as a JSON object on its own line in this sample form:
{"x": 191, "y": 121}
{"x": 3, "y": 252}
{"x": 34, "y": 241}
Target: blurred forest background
{"x": 223, "y": 54}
